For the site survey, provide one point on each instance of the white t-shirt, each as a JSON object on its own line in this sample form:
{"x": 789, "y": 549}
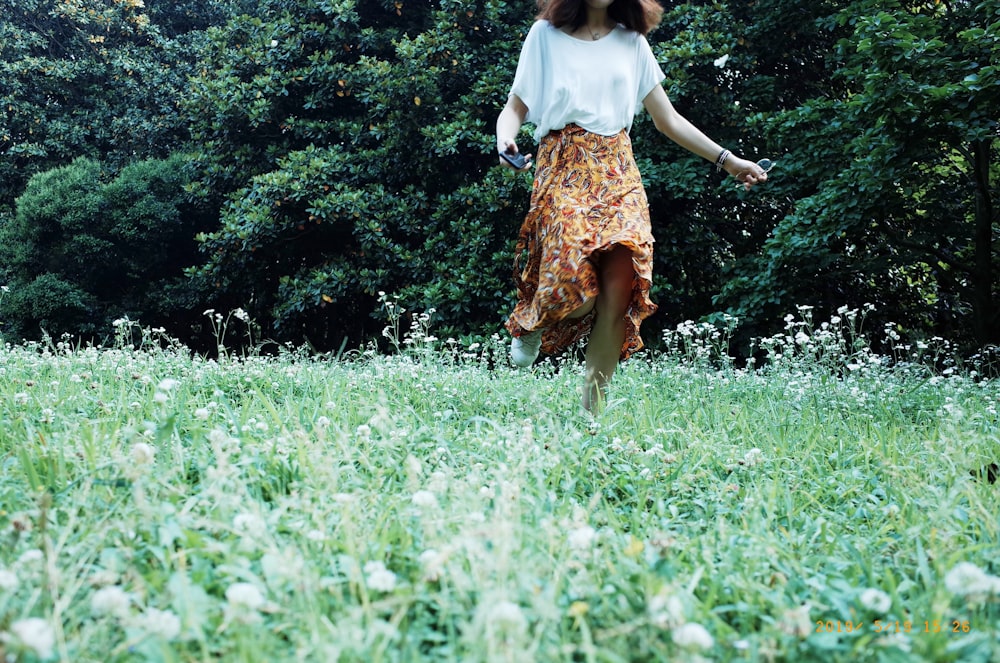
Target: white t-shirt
{"x": 598, "y": 85}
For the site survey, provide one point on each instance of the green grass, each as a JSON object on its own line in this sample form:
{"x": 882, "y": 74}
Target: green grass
{"x": 427, "y": 507}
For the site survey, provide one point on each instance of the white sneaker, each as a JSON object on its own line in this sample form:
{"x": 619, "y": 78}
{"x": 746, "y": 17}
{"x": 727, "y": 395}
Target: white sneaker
{"x": 524, "y": 348}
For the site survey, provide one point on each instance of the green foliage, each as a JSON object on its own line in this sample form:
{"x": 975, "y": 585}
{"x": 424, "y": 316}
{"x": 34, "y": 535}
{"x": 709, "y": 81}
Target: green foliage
{"x": 900, "y": 157}
{"x": 86, "y": 247}
{"x": 355, "y": 147}
{"x": 93, "y": 78}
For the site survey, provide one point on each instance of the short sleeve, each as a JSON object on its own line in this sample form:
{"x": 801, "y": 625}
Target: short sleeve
{"x": 648, "y": 69}
{"x": 529, "y": 80}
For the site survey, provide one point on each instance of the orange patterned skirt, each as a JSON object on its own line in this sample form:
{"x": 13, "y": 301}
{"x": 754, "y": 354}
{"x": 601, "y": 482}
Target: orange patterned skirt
{"x": 587, "y": 198}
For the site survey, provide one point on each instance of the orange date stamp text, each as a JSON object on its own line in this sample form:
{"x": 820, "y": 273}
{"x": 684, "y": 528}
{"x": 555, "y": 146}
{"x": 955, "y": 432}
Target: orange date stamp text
{"x": 893, "y": 626}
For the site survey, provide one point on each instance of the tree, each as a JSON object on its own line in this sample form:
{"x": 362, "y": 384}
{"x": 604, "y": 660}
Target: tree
{"x": 351, "y": 144}
{"x": 902, "y": 152}
{"x": 93, "y": 78}
{"x": 86, "y": 248}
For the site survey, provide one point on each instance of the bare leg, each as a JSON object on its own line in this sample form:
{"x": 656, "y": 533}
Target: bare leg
{"x": 615, "y": 275}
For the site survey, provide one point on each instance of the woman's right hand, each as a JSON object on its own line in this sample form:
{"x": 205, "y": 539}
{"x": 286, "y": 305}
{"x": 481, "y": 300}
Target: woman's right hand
{"x": 510, "y": 147}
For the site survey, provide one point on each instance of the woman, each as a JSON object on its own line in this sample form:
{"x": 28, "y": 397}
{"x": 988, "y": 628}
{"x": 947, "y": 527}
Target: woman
{"x": 584, "y": 253}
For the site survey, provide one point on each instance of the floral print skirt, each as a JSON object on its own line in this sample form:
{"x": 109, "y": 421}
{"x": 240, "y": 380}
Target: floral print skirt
{"x": 587, "y": 198}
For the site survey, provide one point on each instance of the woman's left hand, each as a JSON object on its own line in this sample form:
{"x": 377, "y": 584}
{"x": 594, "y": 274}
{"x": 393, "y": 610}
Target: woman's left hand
{"x": 747, "y": 172}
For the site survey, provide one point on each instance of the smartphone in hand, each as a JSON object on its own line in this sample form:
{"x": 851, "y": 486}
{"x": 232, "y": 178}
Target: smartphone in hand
{"x": 515, "y": 159}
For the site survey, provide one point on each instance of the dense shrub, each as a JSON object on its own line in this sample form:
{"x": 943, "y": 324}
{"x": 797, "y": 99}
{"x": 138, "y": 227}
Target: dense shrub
{"x": 87, "y": 246}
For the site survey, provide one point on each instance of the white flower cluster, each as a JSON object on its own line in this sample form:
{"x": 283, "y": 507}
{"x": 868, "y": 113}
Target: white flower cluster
{"x": 972, "y": 583}
{"x": 379, "y": 578}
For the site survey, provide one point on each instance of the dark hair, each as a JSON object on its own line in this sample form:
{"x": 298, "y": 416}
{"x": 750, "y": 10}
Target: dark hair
{"x": 638, "y": 15}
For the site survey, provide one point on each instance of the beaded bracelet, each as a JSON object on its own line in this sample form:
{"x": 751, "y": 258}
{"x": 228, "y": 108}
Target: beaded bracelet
{"x": 721, "y": 161}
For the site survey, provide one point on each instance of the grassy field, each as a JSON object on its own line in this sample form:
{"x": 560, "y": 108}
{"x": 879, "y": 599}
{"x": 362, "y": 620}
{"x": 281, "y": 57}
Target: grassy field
{"x": 437, "y": 505}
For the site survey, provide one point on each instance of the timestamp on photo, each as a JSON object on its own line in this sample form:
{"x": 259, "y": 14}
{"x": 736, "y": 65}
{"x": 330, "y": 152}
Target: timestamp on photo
{"x": 895, "y": 626}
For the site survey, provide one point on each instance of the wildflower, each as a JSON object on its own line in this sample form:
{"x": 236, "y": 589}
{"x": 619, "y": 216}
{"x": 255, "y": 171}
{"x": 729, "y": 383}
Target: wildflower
{"x": 424, "y": 499}
{"x": 433, "y": 564}
{"x": 796, "y": 621}
{"x": 379, "y": 578}
{"x": 507, "y": 616}
{"x": 142, "y": 454}
{"x": 8, "y": 580}
{"x": 692, "y": 636}
{"x": 582, "y": 537}
{"x": 244, "y": 595}
{"x": 167, "y": 384}
{"x": 34, "y": 634}
{"x": 875, "y": 600}
{"x": 753, "y": 457}
{"x": 721, "y": 62}
{"x": 666, "y": 610}
{"x": 967, "y": 579}
{"x": 30, "y": 557}
{"x": 111, "y": 600}
{"x": 323, "y": 423}
{"x": 161, "y": 397}
{"x": 162, "y": 623}
{"x": 364, "y": 431}
{"x": 239, "y": 313}
{"x": 249, "y": 524}
{"x": 202, "y": 413}
{"x": 579, "y": 608}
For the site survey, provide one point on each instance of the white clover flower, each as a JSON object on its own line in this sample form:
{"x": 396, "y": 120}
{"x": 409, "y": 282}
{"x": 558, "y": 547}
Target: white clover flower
{"x": 379, "y": 578}
{"x": 29, "y": 557}
{"x": 21, "y": 398}
{"x": 507, "y": 616}
{"x": 162, "y": 623}
{"x": 244, "y": 595}
{"x": 142, "y": 454}
{"x": 692, "y": 636}
{"x": 432, "y": 563}
{"x": 967, "y": 579}
{"x": 218, "y": 437}
{"x": 161, "y": 397}
{"x": 168, "y": 384}
{"x": 8, "y": 580}
{"x": 202, "y": 413}
{"x": 797, "y": 621}
{"x": 666, "y": 610}
{"x": 582, "y": 538}
{"x": 249, "y": 524}
{"x": 35, "y": 634}
{"x": 364, "y": 431}
{"x": 753, "y": 457}
{"x": 424, "y": 499}
{"x": 323, "y": 423}
{"x": 111, "y": 600}
{"x": 875, "y": 600}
